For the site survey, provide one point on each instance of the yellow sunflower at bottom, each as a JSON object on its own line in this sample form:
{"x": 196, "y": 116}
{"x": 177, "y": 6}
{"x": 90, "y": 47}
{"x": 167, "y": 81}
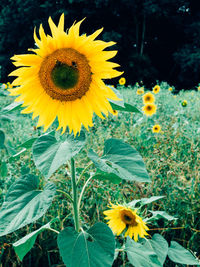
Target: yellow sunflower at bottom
{"x": 149, "y": 109}
{"x": 63, "y": 77}
{"x": 120, "y": 218}
{"x": 156, "y": 128}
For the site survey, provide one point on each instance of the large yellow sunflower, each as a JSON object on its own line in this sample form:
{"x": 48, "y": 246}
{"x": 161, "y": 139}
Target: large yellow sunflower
{"x": 120, "y": 218}
{"x": 63, "y": 77}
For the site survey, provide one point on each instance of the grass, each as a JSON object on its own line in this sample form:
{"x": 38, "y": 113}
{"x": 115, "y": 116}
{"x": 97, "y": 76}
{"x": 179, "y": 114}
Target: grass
{"x": 172, "y": 158}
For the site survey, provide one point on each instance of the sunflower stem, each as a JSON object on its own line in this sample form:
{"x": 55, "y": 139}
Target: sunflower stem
{"x": 75, "y": 196}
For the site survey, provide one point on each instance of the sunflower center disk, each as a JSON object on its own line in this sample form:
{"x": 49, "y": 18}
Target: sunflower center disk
{"x": 65, "y": 74}
{"x": 128, "y": 218}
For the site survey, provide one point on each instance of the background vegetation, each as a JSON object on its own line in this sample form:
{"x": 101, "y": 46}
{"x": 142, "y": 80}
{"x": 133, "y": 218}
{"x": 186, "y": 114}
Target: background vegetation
{"x": 157, "y": 40}
{"x": 172, "y": 159}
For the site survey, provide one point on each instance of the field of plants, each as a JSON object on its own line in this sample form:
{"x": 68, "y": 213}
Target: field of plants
{"x": 172, "y": 159}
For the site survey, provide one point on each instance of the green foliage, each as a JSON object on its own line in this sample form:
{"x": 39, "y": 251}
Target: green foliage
{"x": 181, "y": 255}
{"x": 121, "y": 160}
{"x": 94, "y": 247}
{"x": 139, "y": 255}
{"x": 49, "y": 154}
{"x": 24, "y": 203}
{"x": 24, "y": 245}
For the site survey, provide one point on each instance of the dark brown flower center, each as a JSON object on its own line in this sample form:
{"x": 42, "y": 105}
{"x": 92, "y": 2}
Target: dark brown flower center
{"x": 128, "y": 218}
{"x": 65, "y": 74}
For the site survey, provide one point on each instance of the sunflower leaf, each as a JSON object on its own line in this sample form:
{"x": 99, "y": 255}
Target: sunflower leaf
{"x": 49, "y": 154}
{"x": 179, "y": 254}
{"x": 162, "y": 214}
{"x": 159, "y": 245}
{"x": 122, "y": 160}
{"x": 24, "y": 245}
{"x": 24, "y": 203}
{"x": 93, "y": 248}
{"x": 140, "y": 255}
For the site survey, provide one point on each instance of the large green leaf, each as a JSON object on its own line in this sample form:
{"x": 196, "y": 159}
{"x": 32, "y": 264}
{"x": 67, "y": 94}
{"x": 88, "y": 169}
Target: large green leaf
{"x": 122, "y": 160}
{"x": 121, "y": 105}
{"x": 141, "y": 255}
{"x": 24, "y": 203}
{"x": 49, "y": 154}
{"x": 24, "y": 245}
{"x": 94, "y": 248}
{"x": 159, "y": 245}
{"x": 179, "y": 254}
{"x": 126, "y": 107}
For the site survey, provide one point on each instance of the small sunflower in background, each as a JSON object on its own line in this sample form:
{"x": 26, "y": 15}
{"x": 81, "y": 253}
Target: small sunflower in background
{"x": 148, "y": 98}
{"x": 140, "y": 91}
{"x": 122, "y": 218}
{"x": 149, "y": 109}
{"x": 170, "y": 89}
{"x": 115, "y": 112}
{"x": 156, "y": 89}
{"x": 63, "y": 77}
{"x": 198, "y": 88}
{"x": 184, "y": 103}
{"x": 5, "y": 86}
{"x": 122, "y": 81}
{"x": 156, "y": 128}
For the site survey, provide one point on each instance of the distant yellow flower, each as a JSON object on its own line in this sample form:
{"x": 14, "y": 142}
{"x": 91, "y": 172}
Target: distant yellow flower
{"x": 174, "y": 96}
{"x": 63, "y": 77}
{"x": 140, "y": 91}
{"x": 5, "y": 85}
{"x": 148, "y": 98}
{"x": 149, "y": 109}
{"x": 115, "y": 112}
{"x": 156, "y": 128}
{"x": 184, "y": 103}
{"x": 120, "y": 218}
{"x": 156, "y": 89}
{"x": 198, "y": 88}
{"x": 122, "y": 81}
{"x": 170, "y": 89}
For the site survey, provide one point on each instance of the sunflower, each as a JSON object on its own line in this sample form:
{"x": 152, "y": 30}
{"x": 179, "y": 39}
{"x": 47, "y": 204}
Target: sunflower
{"x": 198, "y": 88}
{"x": 63, "y": 77}
{"x": 122, "y": 81}
{"x": 115, "y": 112}
{"x": 120, "y": 218}
{"x": 149, "y": 109}
{"x": 156, "y": 128}
{"x": 170, "y": 89}
{"x": 5, "y": 86}
{"x": 156, "y": 89}
{"x": 148, "y": 98}
{"x": 140, "y": 91}
{"x": 184, "y": 103}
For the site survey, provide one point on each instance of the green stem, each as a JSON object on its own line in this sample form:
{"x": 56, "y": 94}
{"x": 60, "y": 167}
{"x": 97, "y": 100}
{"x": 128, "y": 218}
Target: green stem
{"x": 54, "y": 230}
{"x": 83, "y": 172}
{"x": 75, "y": 197}
{"x": 82, "y": 191}
{"x": 66, "y": 194}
